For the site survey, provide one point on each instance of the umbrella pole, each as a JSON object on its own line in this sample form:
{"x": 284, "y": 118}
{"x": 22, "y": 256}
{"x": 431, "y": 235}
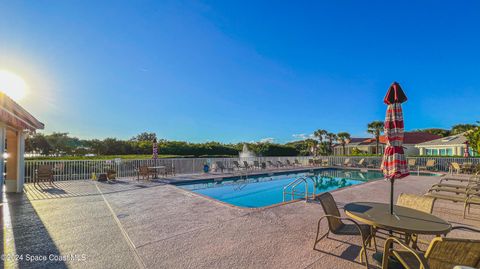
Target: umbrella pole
{"x": 391, "y": 196}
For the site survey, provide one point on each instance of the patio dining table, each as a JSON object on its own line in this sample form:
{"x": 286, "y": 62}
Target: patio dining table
{"x": 157, "y": 169}
{"x": 404, "y": 219}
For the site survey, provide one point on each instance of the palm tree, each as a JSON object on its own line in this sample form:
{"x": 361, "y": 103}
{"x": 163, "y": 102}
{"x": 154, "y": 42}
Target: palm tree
{"x": 376, "y": 129}
{"x": 331, "y": 137}
{"x": 320, "y": 135}
{"x": 312, "y": 146}
{"x": 343, "y": 138}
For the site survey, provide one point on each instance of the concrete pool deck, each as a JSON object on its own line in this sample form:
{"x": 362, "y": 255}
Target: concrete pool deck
{"x": 132, "y": 224}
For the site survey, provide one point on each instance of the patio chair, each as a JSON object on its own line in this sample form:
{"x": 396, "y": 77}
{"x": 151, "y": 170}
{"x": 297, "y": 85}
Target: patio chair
{"x": 297, "y": 163}
{"x": 442, "y": 253}
{"x": 44, "y": 173}
{"x": 412, "y": 164}
{"x": 145, "y": 172}
{"x": 337, "y": 226}
{"x": 429, "y": 165}
{"x": 111, "y": 174}
{"x": 170, "y": 170}
{"x": 417, "y": 202}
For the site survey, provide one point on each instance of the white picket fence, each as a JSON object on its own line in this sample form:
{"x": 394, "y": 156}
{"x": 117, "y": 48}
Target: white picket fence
{"x": 84, "y": 169}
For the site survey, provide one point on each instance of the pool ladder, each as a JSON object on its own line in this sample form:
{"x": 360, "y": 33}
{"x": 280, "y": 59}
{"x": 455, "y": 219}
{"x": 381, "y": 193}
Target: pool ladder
{"x": 290, "y": 188}
{"x": 241, "y": 186}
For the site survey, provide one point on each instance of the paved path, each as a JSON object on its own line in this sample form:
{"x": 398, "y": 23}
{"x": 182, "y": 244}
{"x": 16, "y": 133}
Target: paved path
{"x": 153, "y": 225}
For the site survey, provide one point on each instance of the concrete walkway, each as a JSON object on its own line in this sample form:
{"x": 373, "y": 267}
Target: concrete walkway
{"x": 155, "y": 225}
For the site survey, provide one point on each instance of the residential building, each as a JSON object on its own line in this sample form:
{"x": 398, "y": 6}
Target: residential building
{"x": 454, "y": 145}
{"x": 368, "y": 145}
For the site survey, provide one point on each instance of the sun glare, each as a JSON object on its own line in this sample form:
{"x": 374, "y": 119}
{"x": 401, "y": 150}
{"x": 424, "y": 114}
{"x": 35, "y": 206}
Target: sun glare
{"x": 12, "y": 85}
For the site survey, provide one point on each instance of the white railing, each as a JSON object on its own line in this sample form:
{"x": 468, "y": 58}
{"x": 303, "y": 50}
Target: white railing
{"x": 84, "y": 169}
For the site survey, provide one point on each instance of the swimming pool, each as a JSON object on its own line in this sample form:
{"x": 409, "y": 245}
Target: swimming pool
{"x": 267, "y": 189}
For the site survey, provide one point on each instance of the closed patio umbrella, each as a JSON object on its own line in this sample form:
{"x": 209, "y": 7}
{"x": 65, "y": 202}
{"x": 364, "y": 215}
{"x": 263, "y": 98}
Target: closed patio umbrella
{"x": 394, "y": 164}
{"x": 466, "y": 152}
{"x": 155, "y": 149}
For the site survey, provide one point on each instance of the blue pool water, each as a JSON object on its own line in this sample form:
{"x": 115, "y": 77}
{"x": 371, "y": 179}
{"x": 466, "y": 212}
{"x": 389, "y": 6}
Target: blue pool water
{"x": 265, "y": 190}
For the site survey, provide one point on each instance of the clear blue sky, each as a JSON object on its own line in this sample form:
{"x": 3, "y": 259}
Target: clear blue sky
{"x": 241, "y": 71}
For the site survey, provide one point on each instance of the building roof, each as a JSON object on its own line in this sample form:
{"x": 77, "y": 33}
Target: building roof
{"x": 409, "y": 138}
{"x": 459, "y": 139}
{"x": 356, "y": 140}
{"x": 12, "y": 114}
{"x": 414, "y": 137}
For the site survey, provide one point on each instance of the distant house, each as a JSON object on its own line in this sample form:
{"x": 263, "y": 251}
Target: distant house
{"x": 447, "y": 146}
{"x": 368, "y": 145}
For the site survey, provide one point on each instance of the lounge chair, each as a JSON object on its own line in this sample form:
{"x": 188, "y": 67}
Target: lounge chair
{"x": 461, "y": 178}
{"x": 361, "y": 163}
{"x": 318, "y": 162}
{"x": 237, "y": 165}
{"x": 429, "y": 165}
{"x": 337, "y": 226}
{"x": 371, "y": 164}
{"x": 280, "y": 164}
{"x": 311, "y": 162}
{"x": 288, "y": 162}
{"x": 455, "y": 168}
{"x": 220, "y": 166}
{"x": 442, "y": 253}
{"x": 471, "y": 196}
{"x": 246, "y": 165}
{"x": 44, "y": 173}
{"x": 325, "y": 162}
{"x": 468, "y": 167}
{"x": 145, "y": 172}
{"x": 347, "y": 162}
{"x": 271, "y": 164}
{"x": 297, "y": 163}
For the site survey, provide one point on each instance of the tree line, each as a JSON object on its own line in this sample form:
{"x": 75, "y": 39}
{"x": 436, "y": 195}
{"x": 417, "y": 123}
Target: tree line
{"x": 321, "y": 143}
{"x": 61, "y": 144}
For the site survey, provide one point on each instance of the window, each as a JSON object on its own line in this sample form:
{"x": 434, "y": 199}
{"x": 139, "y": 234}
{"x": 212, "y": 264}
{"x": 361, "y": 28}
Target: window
{"x": 428, "y": 152}
{"x": 449, "y": 152}
{"x": 434, "y": 152}
{"x": 442, "y": 152}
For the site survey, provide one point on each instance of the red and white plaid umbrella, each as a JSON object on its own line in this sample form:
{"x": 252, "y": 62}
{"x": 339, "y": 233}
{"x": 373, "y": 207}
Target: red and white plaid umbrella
{"x": 466, "y": 152}
{"x": 394, "y": 164}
